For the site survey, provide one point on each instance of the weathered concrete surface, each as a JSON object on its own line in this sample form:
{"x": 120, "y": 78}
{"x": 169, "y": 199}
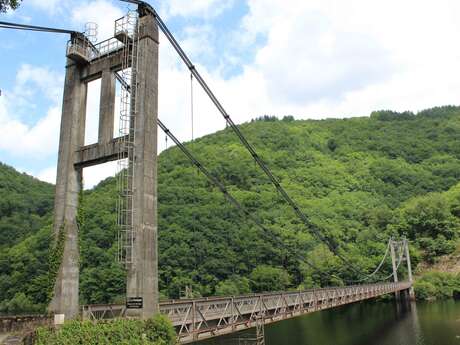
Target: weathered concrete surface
{"x": 3, "y": 337}
{"x": 94, "y": 70}
{"x": 143, "y": 273}
{"x": 68, "y": 187}
{"x": 142, "y": 278}
{"x": 19, "y": 323}
{"x": 8, "y": 339}
{"x": 106, "y": 106}
{"x": 94, "y": 154}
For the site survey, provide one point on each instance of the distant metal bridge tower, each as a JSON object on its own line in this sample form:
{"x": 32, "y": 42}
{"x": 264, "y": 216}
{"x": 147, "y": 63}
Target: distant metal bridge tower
{"x": 133, "y": 51}
{"x": 400, "y": 252}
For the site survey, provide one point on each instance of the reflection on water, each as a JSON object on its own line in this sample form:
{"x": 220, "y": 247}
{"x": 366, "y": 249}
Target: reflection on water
{"x": 379, "y": 323}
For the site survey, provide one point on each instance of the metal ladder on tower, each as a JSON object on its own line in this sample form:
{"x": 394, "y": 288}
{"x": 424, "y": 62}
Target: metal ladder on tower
{"x": 127, "y": 31}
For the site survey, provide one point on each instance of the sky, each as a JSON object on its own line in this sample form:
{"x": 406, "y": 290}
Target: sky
{"x": 312, "y": 59}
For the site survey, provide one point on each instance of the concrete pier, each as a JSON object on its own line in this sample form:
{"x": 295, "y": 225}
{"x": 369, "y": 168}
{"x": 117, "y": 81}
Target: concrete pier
{"x": 68, "y": 187}
{"x": 82, "y": 67}
{"x": 143, "y": 273}
{"x": 106, "y": 106}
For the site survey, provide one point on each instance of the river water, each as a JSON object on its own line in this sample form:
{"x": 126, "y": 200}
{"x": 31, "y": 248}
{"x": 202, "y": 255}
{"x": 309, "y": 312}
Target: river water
{"x": 377, "y": 323}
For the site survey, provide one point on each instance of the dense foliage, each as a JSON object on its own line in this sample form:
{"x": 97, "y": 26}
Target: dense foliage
{"x": 437, "y": 285}
{"x": 25, "y": 205}
{"x": 155, "y": 331}
{"x": 6, "y": 5}
{"x": 359, "y": 180}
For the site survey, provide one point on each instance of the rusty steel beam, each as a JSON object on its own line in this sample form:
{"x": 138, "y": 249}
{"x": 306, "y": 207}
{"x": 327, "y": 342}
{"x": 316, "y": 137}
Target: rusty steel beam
{"x": 203, "y": 318}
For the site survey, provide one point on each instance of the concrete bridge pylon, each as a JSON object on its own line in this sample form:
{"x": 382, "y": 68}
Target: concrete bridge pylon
{"x": 88, "y": 62}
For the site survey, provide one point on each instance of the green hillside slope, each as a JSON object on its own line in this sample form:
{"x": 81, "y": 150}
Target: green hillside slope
{"x": 24, "y": 205}
{"x": 359, "y": 180}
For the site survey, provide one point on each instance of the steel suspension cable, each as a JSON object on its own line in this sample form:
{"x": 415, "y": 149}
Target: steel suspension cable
{"x": 311, "y": 227}
{"x": 191, "y": 102}
{"x": 331, "y": 244}
{"x": 379, "y": 266}
{"x": 216, "y": 182}
{"x": 198, "y": 164}
{"x": 17, "y": 26}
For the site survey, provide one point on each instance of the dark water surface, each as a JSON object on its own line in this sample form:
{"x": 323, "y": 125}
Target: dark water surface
{"x": 378, "y": 323}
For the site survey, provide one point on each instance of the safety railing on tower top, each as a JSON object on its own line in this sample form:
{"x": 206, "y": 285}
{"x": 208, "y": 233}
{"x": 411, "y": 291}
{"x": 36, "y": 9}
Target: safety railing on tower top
{"x": 108, "y": 46}
{"x": 80, "y": 48}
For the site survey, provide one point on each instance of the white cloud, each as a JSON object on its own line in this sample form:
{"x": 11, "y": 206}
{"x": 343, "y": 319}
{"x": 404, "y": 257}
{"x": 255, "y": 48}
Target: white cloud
{"x": 93, "y": 175}
{"x": 174, "y": 98}
{"x": 29, "y": 141}
{"x": 333, "y": 58}
{"x": 101, "y": 12}
{"x": 312, "y": 52}
{"x": 38, "y": 141}
{"x": 15, "y": 16}
{"x": 50, "y": 6}
{"x": 198, "y": 41}
{"x": 313, "y": 59}
{"x": 92, "y": 112}
{"x": 31, "y": 80}
{"x": 47, "y": 174}
{"x": 41, "y": 137}
{"x": 201, "y": 8}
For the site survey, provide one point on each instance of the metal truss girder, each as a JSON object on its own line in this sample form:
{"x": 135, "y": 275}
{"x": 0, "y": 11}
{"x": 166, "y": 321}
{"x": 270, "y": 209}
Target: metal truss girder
{"x": 202, "y": 318}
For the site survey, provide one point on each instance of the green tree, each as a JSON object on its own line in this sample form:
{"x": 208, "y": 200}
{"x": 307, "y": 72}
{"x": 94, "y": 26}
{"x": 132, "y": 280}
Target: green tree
{"x": 20, "y": 303}
{"x": 437, "y": 285}
{"x": 429, "y": 215}
{"x": 428, "y": 221}
{"x": 5, "y": 5}
{"x": 268, "y": 278}
{"x": 233, "y": 286}
{"x": 393, "y": 176}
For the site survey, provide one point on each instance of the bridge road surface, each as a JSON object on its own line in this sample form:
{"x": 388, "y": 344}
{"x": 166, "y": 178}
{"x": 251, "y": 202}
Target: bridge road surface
{"x": 203, "y": 318}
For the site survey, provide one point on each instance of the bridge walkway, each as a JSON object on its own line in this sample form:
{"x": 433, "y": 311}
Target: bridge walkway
{"x": 203, "y": 318}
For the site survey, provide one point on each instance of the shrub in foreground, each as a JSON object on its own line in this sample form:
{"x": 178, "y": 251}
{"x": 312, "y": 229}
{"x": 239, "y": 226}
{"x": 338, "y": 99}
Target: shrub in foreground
{"x": 155, "y": 331}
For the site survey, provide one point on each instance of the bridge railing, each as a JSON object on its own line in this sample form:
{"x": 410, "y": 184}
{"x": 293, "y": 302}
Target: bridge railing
{"x": 202, "y": 318}
{"x": 103, "y": 311}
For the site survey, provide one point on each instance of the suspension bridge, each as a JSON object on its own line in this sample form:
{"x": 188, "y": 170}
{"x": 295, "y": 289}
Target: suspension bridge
{"x": 131, "y": 58}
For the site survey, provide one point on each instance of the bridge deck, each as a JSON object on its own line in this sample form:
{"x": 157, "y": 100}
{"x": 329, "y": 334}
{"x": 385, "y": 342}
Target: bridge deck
{"x": 203, "y": 318}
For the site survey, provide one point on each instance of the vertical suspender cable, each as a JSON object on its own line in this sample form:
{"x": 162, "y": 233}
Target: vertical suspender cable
{"x": 195, "y": 183}
{"x": 219, "y": 184}
{"x": 191, "y": 101}
{"x": 311, "y": 227}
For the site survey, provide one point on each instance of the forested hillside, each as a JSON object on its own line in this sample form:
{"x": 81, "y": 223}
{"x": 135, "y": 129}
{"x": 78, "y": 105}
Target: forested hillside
{"x": 25, "y": 204}
{"x": 359, "y": 180}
